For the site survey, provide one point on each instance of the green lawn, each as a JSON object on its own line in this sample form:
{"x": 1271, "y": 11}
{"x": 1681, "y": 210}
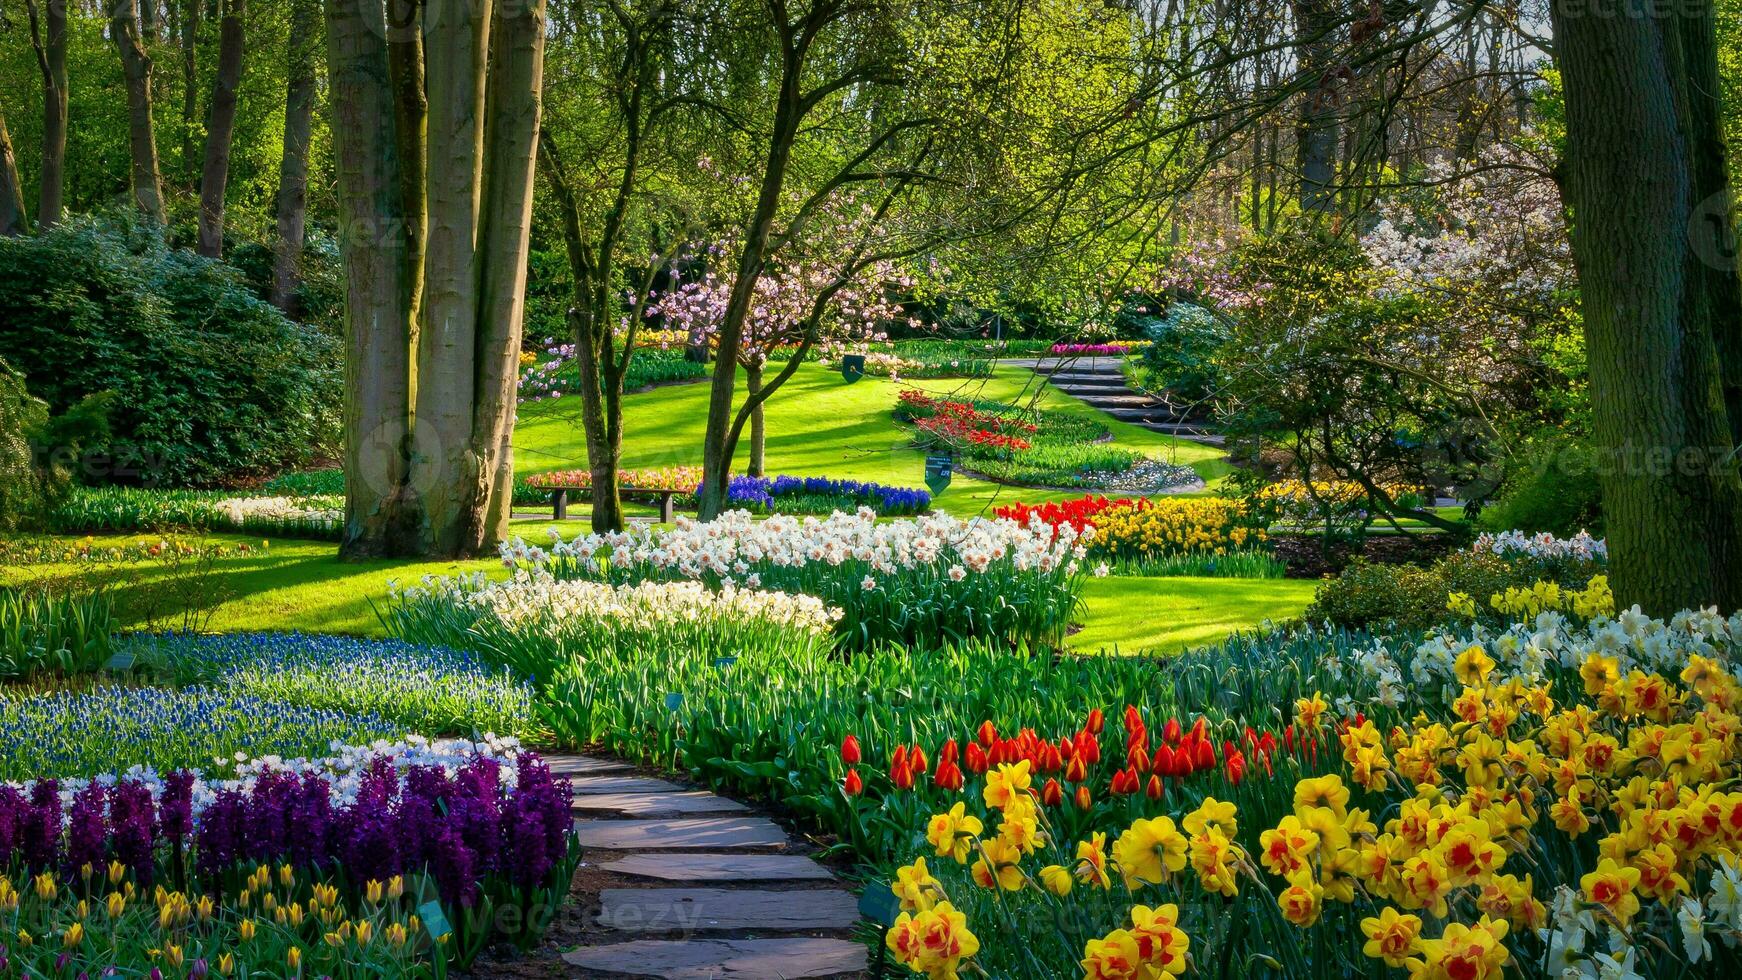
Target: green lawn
{"x": 302, "y": 585}
{"x": 1166, "y": 615}
{"x": 819, "y": 425}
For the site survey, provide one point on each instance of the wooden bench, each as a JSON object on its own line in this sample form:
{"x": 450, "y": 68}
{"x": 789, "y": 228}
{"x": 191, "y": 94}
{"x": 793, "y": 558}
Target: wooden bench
{"x": 559, "y": 501}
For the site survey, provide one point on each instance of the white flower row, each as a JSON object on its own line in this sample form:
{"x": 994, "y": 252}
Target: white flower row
{"x": 736, "y": 544}
{"x": 240, "y": 509}
{"x": 345, "y": 768}
{"x": 1544, "y": 545}
{"x": 535, "y": 597}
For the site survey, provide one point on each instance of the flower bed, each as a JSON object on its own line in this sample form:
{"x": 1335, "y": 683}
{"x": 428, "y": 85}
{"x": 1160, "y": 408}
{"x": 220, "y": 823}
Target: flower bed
{"x": 539, "y": 625}
{"x": 820, "y": 495}
{"x": 1168, "y": 536}
{"x": 479, "y": 829}
{"x": 1026, "y": 447}
{"x": 89, "y": 509}
{"x": 1579, "y": 547}
{"x": 916, "y": 582}
{"x": 432, "y": 690}
{"x": 1117, "y": 349}
{"x": 680, "y": 478}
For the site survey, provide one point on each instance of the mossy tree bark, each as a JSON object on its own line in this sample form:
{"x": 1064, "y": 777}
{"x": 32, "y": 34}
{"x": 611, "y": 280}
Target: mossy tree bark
{"x": 299, "y": 111}
{"x": 13, "y": 218}
{"x": 48, "y": 37}
{"x": 1653, "y": 240}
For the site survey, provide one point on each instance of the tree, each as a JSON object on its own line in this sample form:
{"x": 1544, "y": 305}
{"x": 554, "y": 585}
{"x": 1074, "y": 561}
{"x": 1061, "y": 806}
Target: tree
{"x": 1654, "y": 243}
{"x": 141, "y": 132}
{"x": 434, "y": 476}
{"x": 51, "y": 60}
{"x": 220, "y": 127}
{"x": 299, "y": 110}
{"x": 13, "y": 219}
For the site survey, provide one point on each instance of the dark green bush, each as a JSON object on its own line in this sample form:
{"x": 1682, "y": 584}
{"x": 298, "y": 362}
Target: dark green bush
{"x": 1551, "y": 486}
{"x": 1409, "y": 597}
{"x": 210, "y": 383}
{"x": 1181, "y": 357}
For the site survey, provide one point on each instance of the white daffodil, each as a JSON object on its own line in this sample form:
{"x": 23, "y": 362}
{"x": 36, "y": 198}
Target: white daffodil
{"x": 1691, "y": 918}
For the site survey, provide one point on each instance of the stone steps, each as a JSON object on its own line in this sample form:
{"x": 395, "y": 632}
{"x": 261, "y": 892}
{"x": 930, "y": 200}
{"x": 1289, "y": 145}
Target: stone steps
{"x": 712, "y": 892}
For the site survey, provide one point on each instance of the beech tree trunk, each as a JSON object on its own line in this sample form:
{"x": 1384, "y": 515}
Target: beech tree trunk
{"x": 514, "y": 106}
{"x": 48, "y": 35}
{"x": 220, "y": 127}
{"x": 758, "y": 422}
{"x": 378, "y": 516}
{"x": 410, "y": 105}
{"x": 442, "y": 394}
{"x": 13, "y": 220}
{"x": 299, "y": 109}
{"x": 446, "y": 472}
{"x": 141, "y": 133}
{"x": 1645, "y": 181}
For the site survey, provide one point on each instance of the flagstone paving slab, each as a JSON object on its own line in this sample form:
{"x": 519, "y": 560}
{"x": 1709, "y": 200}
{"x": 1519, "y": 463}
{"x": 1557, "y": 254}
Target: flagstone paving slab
{"x": 582, "y": 765}
{"x": 687, "y": 910}
{"x": 719, "y": 867}
{"x": 658, "y": 804}
{"x": 622, "y": 784}
{"x": 724, "y": 959}
{"x": 698, "y": 834}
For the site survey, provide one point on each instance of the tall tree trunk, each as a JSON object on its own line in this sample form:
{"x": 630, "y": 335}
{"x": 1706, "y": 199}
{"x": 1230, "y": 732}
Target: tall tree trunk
{"x": 150, "y": 21}
{"x": 758, "y": 422}
{"x": 13, "y": 219}
{"x": 141, "y": 134}
{"x": 410, "y": 106}
{"x": 48, "y": 35}
{"x": 446, "y": 473}
{"x": 299, "y": 109}
{"x": 1644, "y": 178}
{"x": 220, "y": 127}
{"x": 516, "y": 86}
{"x": 379, "y": 519}
{"x": 188, "y": 31}
{"x": 1317, "y": 139}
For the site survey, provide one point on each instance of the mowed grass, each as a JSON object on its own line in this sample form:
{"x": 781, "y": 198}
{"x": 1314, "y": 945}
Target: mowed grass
{"x": 1131, "y": 614}
{"x": 302, "y": 585}
{"x": 819, "y": 425}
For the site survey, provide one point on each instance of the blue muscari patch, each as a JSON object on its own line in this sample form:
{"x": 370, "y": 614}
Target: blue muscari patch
{"x": 758, "y": 492}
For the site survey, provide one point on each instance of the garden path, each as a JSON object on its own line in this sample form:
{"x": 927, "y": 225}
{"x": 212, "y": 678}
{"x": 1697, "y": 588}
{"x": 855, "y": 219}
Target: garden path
{"x": 1100, "y": 383}
{"x": 680, "y": 883}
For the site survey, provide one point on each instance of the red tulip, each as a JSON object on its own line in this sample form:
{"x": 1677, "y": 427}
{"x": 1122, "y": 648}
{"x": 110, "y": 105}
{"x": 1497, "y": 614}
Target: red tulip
{"x": 1200, "y": 728}
{"x": 1133, "y": 718}
{"x": 1236, "y": 768}
{"x": 1288, "y": 738}
{"x": 853, "y": 785}
{"x": 1083, "y": 798}
{"x": 948, "y": 776}
{"x": 916, "y": 762}
{"x": 902, "y": 777}
{"x": 1052, "y": 794}
{"x": 1076, "y": 772}
{"x": 988, "y": 734}
{"x": 1089, "y": 747}
{"x": 951, "y": 752}
{"x": 976, "y": 758}
{"x": 1204, "y": 757}
{"x": 1137, "y": 759}
{"x": 1228, "y": 748}
{"x": 1096, "y": 721}
{"x": 1170, "y": 732}
{"x": 1164, "y": 761}
{"x": 850, "y": 750}
{"x": 898, "y": 761}
{"x": 1153, "y": 788}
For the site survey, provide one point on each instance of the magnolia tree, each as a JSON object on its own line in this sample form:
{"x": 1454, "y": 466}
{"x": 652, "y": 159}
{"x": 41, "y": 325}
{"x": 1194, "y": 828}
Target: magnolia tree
{"x": 792, "y": 308}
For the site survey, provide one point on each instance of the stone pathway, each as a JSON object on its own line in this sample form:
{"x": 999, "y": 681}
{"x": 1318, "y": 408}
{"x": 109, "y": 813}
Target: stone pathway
{"x": 1098, "y": 381}
{"x": 680, "y": 883}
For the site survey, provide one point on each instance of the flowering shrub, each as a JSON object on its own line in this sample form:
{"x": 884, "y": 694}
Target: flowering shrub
{"x": 904, "y": 582}
{"x": 536, "y": 624}
{"x": 807, "y": 495}
{"x": 484, "y": 824}
{"x": 426, "y": 689}
{"x": 1142, "y": 535}
{"x": 1559, "y": 806}
{"x": 1336, "y": 502}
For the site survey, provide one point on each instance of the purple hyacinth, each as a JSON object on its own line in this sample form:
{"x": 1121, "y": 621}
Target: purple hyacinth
{"x": 87, "y": 831}
{"x": 40, "y": 835}
{"x": 133, "y": 825}
{"x": 175, "y": 809}
{"x": 220, "y": 834}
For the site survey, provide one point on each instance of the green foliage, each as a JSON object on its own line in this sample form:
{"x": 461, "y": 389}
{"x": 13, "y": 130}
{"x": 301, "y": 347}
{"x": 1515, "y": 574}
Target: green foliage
{"x": 209, "y": 382}
{"x": 1409, "y": 597}
{"x": 331, "y": 483}
{"x": 105, "y": 509}
{"x": 1552, "y": 486}
{"x": 1181, "y": 356}
{"x": 651, "y": 367}
{"x": 45, "y": 633}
